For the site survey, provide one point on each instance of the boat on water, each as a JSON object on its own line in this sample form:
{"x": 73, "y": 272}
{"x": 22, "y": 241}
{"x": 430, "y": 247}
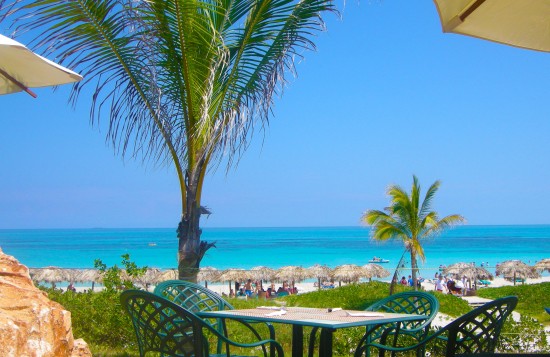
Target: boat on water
{"x": 152, "y": 244}
{"x": 378, "y": 260}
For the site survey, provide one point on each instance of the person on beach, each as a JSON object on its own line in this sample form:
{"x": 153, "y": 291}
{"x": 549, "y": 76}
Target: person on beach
{"x": 248, "y": 287}
{"x": 439, "y": 283}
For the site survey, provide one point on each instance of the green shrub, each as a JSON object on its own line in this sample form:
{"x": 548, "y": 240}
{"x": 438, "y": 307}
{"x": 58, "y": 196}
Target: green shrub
{"x": 99, "y": 319}
{"x": 533, "y": 298}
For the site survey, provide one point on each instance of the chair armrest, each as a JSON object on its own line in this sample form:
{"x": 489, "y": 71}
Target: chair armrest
{"x": 223, "y": 337}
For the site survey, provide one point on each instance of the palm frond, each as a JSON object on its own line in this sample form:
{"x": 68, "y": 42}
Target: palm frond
{"x": 427, "y": 203}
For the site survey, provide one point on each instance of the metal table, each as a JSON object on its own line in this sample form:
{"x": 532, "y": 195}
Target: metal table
{"x": 299, "y": 317}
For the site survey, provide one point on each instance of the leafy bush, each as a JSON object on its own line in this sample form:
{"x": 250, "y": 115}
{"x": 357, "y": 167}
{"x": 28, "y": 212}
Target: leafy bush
{"x": 99, "y": 319}
{"x": 533, "y": 298}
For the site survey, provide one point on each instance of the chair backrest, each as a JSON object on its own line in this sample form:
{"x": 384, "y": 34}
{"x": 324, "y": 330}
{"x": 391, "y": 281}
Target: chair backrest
{"x": 192, "y": 296}
{"x": 410, "y": 302}
{"x": 478, "y": 330}
{"x": 164, "y": 327}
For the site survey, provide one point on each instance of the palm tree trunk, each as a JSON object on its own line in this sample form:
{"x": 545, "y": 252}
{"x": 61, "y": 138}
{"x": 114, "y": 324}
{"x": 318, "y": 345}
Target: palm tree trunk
{"x": 414, "y": 269}
{"x": 191, "y": 249}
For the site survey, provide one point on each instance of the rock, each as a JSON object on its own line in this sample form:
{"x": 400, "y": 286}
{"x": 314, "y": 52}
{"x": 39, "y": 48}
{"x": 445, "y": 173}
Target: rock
{"x": 31, "y": 324}
{"x": 80, "y": 349}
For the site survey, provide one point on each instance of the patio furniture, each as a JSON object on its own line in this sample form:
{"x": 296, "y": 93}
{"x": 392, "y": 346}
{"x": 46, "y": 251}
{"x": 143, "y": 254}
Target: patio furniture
{"x": 409, "y": 302}
{"x": 328, "y": 320}
{"x": 197, "y": 298}
{"x": 476, "y": 332}
{"x": 162, "y": 326}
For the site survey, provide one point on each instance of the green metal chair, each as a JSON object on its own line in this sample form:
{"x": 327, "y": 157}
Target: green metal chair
{"x": 166, "y": 328}
{"x": 197, "y": 298}
{"x": 476, "y": 332}
{"x": 408, "y": 302}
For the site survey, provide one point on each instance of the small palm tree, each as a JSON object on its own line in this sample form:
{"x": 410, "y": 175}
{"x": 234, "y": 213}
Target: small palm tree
{"x": 410, "y": 220}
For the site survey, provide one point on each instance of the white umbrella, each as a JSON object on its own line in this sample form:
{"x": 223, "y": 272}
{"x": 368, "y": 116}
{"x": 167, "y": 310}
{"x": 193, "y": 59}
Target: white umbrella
{"x": 519, "y": 23}
{"x": 21, "y": 69}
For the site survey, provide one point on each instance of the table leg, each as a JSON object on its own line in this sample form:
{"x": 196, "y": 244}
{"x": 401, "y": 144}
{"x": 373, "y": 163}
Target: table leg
{"x": 297, "y": 341}
{"x": 325, "y": 343}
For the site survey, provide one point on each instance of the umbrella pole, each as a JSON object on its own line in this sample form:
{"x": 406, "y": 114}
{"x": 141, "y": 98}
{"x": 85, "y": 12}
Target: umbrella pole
{"x": 19, "y": 84}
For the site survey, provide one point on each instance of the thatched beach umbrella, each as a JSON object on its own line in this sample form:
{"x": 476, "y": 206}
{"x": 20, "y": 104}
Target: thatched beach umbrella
{"x": 207, "y": 274}
{"x": 375, "y": 271}
{"x": 73, "y": 275}
{"x": 170, "y": 274}
{"x": 50, "y": 275}
{"x": 470, "y": 270}
{"x": 151, "y": 276}
{"x": 90, "y": 275}
{"x": 543, "y": 265}
{"x": 291, "y": 273}
{"x": 237, "y": 275}
{"x": 516, "y": 269}
{"x": 320, "y": 272}
{"x": 456, "y": 268}
{"x": 262, "y": 273}
{"x": 348, "y": 272}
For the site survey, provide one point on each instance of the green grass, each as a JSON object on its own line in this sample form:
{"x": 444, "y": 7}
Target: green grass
{"x": 533, "y": 298}
{"x": 98, "y": 317}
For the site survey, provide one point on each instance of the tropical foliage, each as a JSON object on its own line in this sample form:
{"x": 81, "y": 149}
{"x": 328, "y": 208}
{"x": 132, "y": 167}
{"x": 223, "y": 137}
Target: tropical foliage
{"x": 409, "y": 219}
{"x": 98, "y": 318}
{"x": 182, "y": 82}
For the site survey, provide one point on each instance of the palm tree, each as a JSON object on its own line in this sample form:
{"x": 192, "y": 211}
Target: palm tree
{"x": 182, "y": 82}
{"x": 409, "y": 219}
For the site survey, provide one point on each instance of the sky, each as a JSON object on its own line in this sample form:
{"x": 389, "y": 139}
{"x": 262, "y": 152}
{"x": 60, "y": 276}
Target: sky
{"x": 386, "y": 95}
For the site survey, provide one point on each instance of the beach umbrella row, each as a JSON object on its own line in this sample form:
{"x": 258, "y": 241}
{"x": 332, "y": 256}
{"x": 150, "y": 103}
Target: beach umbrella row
{"x": 346, "y": 272}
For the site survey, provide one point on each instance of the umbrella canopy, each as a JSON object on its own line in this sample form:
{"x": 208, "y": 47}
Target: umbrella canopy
{"x": 320, "y": 272}
{"x": 208, "y": 274}
{"x": 151, "y": 276}
{"x": 520, "y": 23}
{"x": 50, "y": 274}
{"x": 262, "y": 273}
{"x": 234, "y": 275}
{"x": 349, "y": 272}
{"x": 470, "y": 270}
{"x": 543, "y": 265}
{"x": 73, "y": 275}
{"x": 170, "y": 274}
{"x": 90, "y": 275}
{"x": 375, "y": 271}
{"x": 456, "y": 268}
{"x": 21, "y": 69}
{"x": 516, "y": 269}
{"x": 291, "y": 272}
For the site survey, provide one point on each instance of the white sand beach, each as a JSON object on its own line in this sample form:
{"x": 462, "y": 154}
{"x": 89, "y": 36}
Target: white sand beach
{"x": 304, "y": 287}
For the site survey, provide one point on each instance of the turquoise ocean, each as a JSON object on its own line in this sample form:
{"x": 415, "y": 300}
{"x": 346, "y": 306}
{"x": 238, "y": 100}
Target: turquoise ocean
{"x": 273, "y": 247}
